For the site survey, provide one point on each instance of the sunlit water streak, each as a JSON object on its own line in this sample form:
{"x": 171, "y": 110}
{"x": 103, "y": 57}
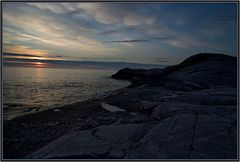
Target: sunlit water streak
{"x": 28, "y": 90}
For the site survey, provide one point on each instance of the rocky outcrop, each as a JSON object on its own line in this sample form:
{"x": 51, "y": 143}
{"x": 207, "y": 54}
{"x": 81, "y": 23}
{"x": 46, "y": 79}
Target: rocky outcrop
{"x": 197, "y": 72}
{"x": 130, "y": 74}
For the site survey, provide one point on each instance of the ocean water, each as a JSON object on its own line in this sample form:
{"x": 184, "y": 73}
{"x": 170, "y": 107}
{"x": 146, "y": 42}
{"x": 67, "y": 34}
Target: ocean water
{"x": 29, "y": 90}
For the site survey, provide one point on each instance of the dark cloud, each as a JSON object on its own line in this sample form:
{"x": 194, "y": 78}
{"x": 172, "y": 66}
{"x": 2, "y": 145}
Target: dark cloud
{"x": 113, "y": 31}
{"x": 30, "y": 55}
{"x": 106, "y": 58}
{"x": 140, "y": 40}
{"x": 59, "y": 56}
{"x": 15, "y": 54}
{"x": 161, "y": 38}
{"x": 127, "y": 41}
{"x": 86, "y": 64}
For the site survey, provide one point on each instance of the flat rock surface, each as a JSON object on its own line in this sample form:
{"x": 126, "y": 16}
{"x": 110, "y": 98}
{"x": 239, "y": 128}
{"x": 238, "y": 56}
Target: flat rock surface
{"x": 172, "y": 130}
{"x": 98, "y": 142}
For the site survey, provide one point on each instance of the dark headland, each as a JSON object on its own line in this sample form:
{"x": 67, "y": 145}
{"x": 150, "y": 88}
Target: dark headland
{"x": 185, "y": 111}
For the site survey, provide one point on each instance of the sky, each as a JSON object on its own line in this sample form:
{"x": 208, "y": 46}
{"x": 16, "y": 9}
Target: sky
{"x": 40, "y": 33}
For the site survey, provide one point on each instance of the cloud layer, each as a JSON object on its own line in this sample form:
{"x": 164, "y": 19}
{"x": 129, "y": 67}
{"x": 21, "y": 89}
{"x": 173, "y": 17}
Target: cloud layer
{"x": 139, "y": 32}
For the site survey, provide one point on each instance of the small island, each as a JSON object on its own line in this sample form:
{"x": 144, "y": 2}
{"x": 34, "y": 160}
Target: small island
{"x": 184, "y": 111}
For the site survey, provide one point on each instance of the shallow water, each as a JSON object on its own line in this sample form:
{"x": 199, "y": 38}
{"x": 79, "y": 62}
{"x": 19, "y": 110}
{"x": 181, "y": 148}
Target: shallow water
{"x": 27, "y": 90}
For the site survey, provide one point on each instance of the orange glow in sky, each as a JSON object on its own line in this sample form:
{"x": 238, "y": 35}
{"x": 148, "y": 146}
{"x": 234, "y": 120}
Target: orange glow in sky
{"x": 38, "y": 58}
{"x": 39, "y": 64}
{"x": 24, "y": 49}
{"x": 43, "y": 58}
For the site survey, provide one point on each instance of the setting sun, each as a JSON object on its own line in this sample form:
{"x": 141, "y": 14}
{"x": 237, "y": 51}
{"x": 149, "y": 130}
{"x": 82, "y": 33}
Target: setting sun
{"x": 39, "y": 64}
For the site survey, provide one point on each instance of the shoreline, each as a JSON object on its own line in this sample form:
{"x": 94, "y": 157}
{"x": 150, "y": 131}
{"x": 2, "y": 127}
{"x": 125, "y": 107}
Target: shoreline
{"x": 28, "y": 109}
{"x": 56, "y": 121}
{"x": 47, "y": 124}
{"x": 26, "y": 136}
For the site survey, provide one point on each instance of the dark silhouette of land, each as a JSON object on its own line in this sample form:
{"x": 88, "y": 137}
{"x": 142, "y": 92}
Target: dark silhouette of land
{"x": 185, "y": 111}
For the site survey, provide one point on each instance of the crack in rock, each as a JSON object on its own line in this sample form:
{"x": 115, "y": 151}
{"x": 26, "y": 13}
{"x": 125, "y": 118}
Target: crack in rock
{"x": 193, "y": 135}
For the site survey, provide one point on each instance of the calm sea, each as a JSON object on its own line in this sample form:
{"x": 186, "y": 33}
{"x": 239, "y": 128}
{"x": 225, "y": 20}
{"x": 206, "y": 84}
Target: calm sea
{"x": 29, "y": 90}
